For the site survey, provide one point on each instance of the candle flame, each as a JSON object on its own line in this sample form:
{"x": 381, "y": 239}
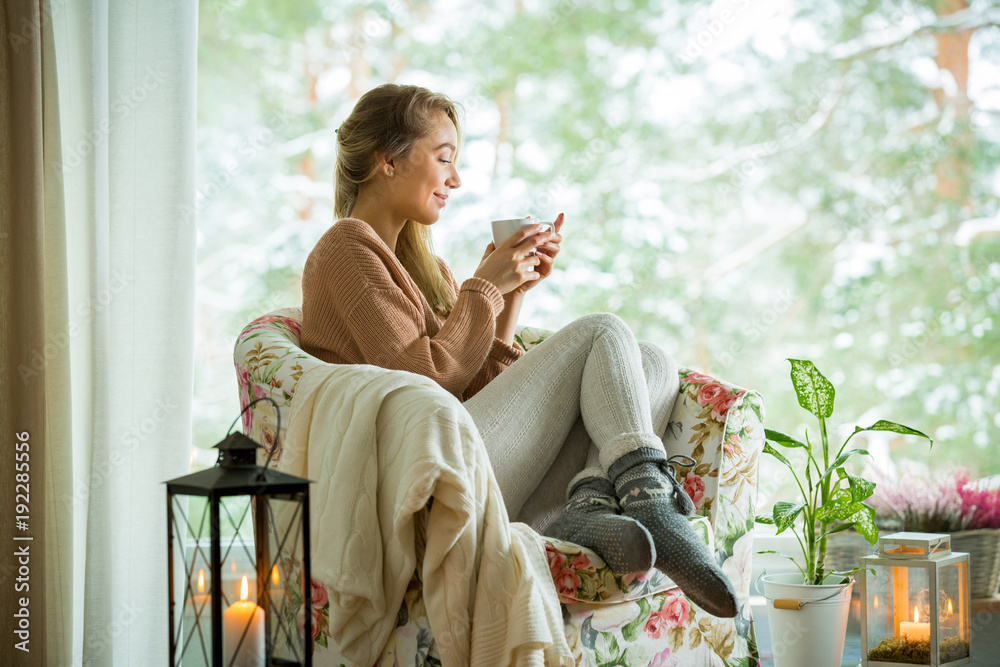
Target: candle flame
{"x": 201, "y": 581}
{"x": 232, "y": 565}
{"x": 876, "y": 602}
{"x": 916, "y": 614}
{"x": 244, "y": 588}
{"x": 275, "y": 578}
{"x": 949, "y": 606}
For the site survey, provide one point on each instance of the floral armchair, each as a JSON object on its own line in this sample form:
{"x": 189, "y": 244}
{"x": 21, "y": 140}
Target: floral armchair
{"x": 610, "y": 619}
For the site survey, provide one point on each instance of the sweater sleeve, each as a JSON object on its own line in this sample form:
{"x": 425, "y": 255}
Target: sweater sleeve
{"x": 389, "y": 329}
{"x": 385, "y": 326}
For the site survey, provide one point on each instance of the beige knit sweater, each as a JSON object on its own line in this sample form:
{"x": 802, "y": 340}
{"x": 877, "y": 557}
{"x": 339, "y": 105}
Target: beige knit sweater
{"x": 360, "y": 306}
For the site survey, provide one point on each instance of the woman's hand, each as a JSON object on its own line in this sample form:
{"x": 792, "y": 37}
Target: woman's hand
{"x": 546, "y": 254}
{"x": 507, "y": 267}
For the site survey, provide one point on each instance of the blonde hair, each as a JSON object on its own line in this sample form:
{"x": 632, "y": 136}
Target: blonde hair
{"x": 384, "y": 125}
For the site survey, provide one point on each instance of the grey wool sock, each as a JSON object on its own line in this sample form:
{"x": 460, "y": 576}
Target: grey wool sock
{"x": 592, "y": 519}
{"x": 654, "y": 498}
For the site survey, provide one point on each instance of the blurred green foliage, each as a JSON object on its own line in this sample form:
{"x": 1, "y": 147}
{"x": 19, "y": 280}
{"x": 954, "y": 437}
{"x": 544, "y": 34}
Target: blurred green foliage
{"x": 743, "y": 181}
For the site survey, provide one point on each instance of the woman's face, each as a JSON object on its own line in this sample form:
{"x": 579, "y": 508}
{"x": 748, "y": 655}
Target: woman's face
{"x": 419, "y": 187}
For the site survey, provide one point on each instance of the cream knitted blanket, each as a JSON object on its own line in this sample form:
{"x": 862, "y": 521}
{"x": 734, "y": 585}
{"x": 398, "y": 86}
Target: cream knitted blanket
{"x": 378, "y": 444}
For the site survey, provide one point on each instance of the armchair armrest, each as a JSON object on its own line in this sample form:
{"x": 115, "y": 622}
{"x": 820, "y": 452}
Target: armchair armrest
{"x": 720, "y": 426}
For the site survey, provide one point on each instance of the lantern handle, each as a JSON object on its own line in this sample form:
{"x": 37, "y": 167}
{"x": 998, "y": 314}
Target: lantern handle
{"x": 277, "y": 410}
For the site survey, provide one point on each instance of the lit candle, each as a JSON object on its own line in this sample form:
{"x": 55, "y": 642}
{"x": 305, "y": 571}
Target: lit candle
{"x": 915, "y": 631}
{"x": 234, "y": 623}
{"x": 201, "y": 599}
{"x": 277, "y": 594}
{"x": 234, "y": 586}
{"x": 198, "y": 645}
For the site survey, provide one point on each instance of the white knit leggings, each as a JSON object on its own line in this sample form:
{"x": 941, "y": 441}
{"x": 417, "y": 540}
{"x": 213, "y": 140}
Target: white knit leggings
{"x": 588, "y": 393}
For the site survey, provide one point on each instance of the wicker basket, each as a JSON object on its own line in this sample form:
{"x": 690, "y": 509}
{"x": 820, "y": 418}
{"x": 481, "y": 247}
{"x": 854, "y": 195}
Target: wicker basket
{"x": 845, "y": 549}
{"x": 983, "y": 547}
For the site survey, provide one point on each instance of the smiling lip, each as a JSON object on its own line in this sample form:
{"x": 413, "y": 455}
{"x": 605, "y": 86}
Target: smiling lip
{"x": 441, "y": 198}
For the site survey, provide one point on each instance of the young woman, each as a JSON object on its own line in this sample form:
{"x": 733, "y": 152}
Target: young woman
{"x": 374, "y": 293}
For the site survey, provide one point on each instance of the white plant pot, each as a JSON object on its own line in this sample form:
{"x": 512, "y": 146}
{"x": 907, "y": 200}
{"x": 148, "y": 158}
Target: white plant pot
{"x": 814, "y": 635}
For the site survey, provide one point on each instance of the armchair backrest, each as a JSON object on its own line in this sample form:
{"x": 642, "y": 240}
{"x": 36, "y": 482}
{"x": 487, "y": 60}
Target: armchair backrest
{"x": 269, "y": 362}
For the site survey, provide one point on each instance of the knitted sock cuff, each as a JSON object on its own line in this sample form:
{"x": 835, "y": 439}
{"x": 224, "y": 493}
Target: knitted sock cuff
{"x": 588, "y": 475}
{"x": 634, "y": 458}
{"x": 623, "y": 445}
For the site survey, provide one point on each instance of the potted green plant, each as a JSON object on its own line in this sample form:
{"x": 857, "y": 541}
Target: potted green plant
{"x": 830, "y": 500}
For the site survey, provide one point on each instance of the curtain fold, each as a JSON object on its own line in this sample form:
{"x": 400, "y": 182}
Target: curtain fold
{"x": 97, "y": 334}
{"x": 23, "y": 416}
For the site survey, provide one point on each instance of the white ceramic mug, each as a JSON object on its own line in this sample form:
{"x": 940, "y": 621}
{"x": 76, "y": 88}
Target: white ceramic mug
{"x": 504, "y": 229}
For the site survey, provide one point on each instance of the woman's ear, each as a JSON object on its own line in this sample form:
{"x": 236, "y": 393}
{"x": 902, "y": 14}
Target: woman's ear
{"x": 388, "y": 167}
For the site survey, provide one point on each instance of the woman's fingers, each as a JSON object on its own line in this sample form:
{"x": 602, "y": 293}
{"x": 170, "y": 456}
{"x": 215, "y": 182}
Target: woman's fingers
{"x": 549, "y": 249}
{"x": 544, "y": 266}
{"x": 522, "y": 235}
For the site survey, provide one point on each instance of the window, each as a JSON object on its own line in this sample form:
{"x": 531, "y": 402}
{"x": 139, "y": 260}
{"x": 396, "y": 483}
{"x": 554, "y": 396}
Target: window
{"x": 743, "y": 182}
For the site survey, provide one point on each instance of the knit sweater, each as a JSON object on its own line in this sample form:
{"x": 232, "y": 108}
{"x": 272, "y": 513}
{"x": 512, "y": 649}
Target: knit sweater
{"x": 360, "y": 306}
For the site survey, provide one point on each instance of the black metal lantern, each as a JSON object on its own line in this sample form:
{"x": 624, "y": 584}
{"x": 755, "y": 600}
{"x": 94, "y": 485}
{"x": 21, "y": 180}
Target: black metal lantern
{"x": 241, "y": 533}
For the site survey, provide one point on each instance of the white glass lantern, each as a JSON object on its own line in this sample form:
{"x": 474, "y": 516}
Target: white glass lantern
{"x": 915, "y": 602}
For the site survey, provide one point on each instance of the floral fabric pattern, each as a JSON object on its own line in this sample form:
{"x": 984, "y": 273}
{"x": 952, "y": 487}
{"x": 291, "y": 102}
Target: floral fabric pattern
{"x": 610, "y": 619}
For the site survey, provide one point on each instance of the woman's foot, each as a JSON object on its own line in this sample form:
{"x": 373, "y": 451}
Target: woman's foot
{"x": 655, "y": 499}
{"x": 592, "y": 519}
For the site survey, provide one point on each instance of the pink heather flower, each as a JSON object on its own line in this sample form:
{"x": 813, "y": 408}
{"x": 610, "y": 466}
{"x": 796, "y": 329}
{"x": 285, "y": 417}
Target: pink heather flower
{"x": 710, "y": 393}
{"x": 319, "y": 595}
{"x": 980, "y": 506}
{"x": 922, "y": 503}
{"x": 567, "y": 582}
{"x": 694, "y": 486}
{"x": 676, "y": 610}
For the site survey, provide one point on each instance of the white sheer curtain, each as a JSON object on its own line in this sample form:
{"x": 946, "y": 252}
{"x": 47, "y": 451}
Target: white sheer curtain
{"x": 119, "y": 79}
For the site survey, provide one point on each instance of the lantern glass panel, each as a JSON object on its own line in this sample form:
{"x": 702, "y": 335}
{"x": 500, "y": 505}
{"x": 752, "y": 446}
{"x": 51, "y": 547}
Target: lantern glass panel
{"x": 192, "y": 558}
{"x": 280, "y": 574}
{"x": 953, "y": 633}
{"x": 284, "y": 583}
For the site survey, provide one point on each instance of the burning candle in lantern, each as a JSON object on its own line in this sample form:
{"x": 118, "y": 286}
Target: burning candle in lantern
{"x": 244, "y": 619}
{"x": 915, "y": 631}
{"x": 197, "y": 612}
{"x": 277, "y": 593}
{"x": 199, "y": 601}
